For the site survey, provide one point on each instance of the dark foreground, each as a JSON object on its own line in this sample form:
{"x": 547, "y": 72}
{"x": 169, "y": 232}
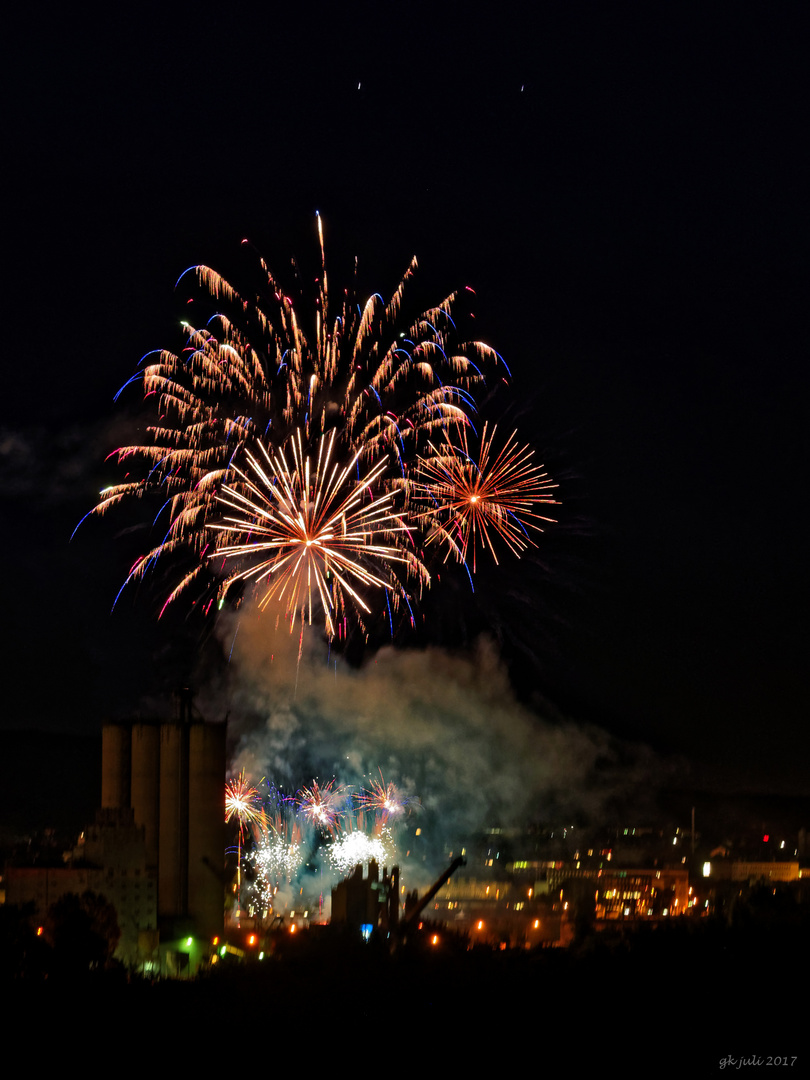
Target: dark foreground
{"x": 691, "y": 996}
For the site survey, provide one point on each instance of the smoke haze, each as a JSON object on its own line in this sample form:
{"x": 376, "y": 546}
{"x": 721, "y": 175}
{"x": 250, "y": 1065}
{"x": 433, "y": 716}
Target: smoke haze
{"x": 445, "y": 728}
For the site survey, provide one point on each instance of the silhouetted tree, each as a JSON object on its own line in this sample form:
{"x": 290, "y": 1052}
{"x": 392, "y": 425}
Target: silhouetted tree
{"x": 83, "y": 931}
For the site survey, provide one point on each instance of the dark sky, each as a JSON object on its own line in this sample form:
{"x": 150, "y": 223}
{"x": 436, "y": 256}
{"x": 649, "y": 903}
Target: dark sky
{"x": 626, "y": 191}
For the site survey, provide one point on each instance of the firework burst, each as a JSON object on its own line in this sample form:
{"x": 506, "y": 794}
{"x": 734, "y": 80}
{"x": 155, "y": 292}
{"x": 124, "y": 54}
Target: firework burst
{"x": 242, "y": 802}
{"x": 383, "y": 799}
{"x": 277, "y": 856}
{"x": 464, "y": 503}
{"x": 289, "y": 446}
{"x": 322, "y": 806}
{"x": 301, "y": 532}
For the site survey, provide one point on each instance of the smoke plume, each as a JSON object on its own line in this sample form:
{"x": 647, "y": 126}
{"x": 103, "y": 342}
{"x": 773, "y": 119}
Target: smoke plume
{"x": 445, "y": 728}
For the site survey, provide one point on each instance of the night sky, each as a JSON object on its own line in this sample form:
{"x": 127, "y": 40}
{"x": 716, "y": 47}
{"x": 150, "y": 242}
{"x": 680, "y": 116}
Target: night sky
{"x": 625, "y": 189}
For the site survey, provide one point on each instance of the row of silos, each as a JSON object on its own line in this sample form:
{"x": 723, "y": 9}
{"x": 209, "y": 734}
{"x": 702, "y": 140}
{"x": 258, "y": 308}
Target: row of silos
{"x": 172, "y": 776}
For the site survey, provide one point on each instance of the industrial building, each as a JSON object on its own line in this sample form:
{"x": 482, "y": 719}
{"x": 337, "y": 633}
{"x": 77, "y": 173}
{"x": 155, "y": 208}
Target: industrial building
{"x": 155, "y": 849}
{"x": 171, "y": 775}
{"x": 109, "y": 859}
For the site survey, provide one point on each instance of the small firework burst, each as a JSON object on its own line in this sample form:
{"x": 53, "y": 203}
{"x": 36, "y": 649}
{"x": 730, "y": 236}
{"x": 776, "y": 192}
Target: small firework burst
{"x": 383, "y": 799}
{"x": 322, "y": 806}
{"x": 242, "y": 802}
{"x": 464, "y": 503}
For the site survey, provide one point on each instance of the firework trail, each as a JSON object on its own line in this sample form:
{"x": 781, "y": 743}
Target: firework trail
{"x": 288, "y": 449}
{"x": 243, "y": 803}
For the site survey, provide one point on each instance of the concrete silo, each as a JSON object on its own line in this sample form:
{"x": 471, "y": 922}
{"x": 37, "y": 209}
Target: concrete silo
{"x": 172, "y": 775}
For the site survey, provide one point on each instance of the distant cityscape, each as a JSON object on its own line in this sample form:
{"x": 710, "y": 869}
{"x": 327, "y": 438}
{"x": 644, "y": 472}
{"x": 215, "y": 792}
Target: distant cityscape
{"x": 156, "y": 852}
